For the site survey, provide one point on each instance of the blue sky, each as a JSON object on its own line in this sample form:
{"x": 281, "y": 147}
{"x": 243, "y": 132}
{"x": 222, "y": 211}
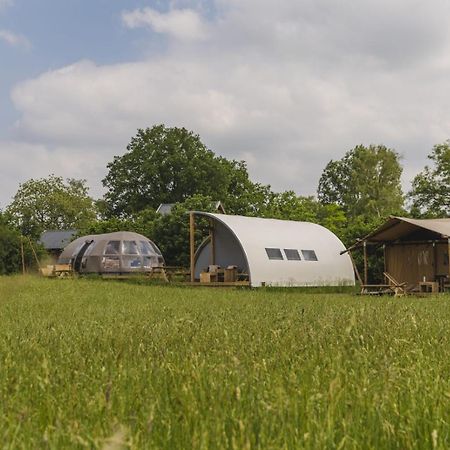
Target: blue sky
{"x": 286, "y": 85}
{"x": 61, "y": 32}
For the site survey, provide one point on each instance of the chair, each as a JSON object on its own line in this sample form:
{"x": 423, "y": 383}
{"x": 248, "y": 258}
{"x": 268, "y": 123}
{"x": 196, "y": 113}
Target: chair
{"x": 399, "y": 289}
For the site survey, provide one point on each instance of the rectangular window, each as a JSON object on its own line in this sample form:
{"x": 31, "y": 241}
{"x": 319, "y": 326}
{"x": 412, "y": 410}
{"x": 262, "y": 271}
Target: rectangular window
{"x": 309, "y": 255}
{"x": 292, "y": 254}
{"x": 274, "y": 253}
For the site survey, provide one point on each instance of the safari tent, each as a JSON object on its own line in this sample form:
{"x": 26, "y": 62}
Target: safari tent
{"x": 269, "y": 252}
{"x": 121, "y": 252}
{"x": 415, "y": 253}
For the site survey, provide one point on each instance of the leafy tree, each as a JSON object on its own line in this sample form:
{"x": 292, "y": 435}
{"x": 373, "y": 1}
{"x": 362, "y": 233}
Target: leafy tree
{"x": 10, "y": 250}
{"x": 430, "y": 192}
{"x": 171, "y": 232}
{"x": 365, "y": 182}
{"x": 170, "y": 165}
{"x": 243, "y": 197}
{"x": 10, "y": 258}
{"x": 162, "y": 165}
{"x": 49, "y": 203}
{"x": 288, "y": 206}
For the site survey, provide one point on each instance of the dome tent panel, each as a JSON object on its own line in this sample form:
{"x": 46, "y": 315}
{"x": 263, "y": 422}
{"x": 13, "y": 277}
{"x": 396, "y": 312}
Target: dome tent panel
{"x": 278, "y": 252}
{"x": 119, "y": 252}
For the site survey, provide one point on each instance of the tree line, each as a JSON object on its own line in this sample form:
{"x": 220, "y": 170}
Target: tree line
{"x": 355, "y": 194}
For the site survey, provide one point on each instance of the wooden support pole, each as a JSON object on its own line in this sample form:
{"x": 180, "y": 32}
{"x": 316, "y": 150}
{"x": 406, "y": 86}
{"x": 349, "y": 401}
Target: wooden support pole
{"x": 435, "y": 261}
{"x": 212, "y": 239}
{"x": 448, "y": 256}
{"x": 22, "y": 255}
{"x": 34, "y": 253}
{"x": 192, "y": 244}
{"x": 358, "y": 276}
{"x": 365, "y": 262}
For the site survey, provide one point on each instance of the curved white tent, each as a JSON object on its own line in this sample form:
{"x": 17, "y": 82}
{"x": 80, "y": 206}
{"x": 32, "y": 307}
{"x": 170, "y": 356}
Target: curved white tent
{"x": 275, "y": 252}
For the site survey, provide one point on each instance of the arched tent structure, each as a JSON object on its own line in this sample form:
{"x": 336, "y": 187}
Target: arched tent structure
{"x": 273, "y": 252}
{"x": 114, "y": 253}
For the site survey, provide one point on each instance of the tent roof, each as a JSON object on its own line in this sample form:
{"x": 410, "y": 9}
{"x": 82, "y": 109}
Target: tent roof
{"x": 398, "y": 227}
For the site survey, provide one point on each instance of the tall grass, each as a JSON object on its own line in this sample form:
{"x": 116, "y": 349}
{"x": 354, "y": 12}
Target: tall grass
{"x": 95, "y": 364}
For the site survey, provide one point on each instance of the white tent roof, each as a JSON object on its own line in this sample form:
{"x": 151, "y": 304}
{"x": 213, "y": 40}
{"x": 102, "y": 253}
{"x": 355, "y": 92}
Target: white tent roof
{"x": 257, "y": 234}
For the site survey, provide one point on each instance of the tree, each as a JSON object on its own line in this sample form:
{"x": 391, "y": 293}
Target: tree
{"x": 170, "y": 165}
{"x": 365, "y": 182}
{"x": 49, "y": 203}
{"x": 162, "y": 165}
{"x": 430, "y": 192}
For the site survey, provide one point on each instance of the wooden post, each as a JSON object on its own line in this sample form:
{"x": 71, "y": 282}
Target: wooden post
{"x": 212, "y": 239}
{"x": 34, "y": 253}
{"x": 22, "y": 255}
{"x": 448, "y": 256}
{"x": 435, "y": 261}
{"x": 358, "y": 276}
{"x": 365, "y": 262}
{"x": 192, "y": 244}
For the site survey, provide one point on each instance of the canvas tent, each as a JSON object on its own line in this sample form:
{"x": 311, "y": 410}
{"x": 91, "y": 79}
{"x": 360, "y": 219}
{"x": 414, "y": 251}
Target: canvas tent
{"x": 272, "y": 252}
{"x": 415, "y": 251}
{"x": 119, "y": 253}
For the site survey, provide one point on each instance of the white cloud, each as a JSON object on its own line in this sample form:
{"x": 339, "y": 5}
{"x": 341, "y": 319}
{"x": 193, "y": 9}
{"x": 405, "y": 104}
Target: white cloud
{"x": 14, "y": 39}
{"x": 286, "y": 86}
{"x": 179, "y": 23}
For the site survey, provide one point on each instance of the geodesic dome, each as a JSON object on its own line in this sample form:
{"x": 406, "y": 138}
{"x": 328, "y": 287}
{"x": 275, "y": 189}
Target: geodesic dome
{"x": 118, "y": 253}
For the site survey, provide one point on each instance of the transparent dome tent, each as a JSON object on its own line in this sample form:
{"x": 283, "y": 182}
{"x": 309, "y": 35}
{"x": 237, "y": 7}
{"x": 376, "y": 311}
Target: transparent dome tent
{"x": 122, "y": 252}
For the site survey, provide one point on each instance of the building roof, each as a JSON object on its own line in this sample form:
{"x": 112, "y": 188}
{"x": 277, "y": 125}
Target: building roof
{"x": 255, "y": 235}
{"x": 166, "y": 208}
{"x": 399, "y": 227}
{"x": 56, "y": 239}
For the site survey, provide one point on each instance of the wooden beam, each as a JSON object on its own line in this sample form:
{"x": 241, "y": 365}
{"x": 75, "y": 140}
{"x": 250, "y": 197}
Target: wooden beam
{"x": 212, "y": 238}
{"x": 34, "y": 253}
{"x": 192, "y": 244}
{"x": 366, "y": 270}
{"x": 358, "y": 276}
{"x": 448, "y": 256}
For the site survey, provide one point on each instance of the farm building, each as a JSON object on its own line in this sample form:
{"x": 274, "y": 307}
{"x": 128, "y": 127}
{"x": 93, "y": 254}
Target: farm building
{"x": 114, "y": 253}
{"x": 415, "y": 254}
{"x": 268, "y": 252}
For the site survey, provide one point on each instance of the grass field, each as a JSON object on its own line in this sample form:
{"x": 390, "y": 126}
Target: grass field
{"x": 96, "y": 364}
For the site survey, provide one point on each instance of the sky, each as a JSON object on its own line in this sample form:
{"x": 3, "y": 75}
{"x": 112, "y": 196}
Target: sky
{"x": 286, "y": 85}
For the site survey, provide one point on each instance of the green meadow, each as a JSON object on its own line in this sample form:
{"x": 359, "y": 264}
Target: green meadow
{"x": 89, "y": 363}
